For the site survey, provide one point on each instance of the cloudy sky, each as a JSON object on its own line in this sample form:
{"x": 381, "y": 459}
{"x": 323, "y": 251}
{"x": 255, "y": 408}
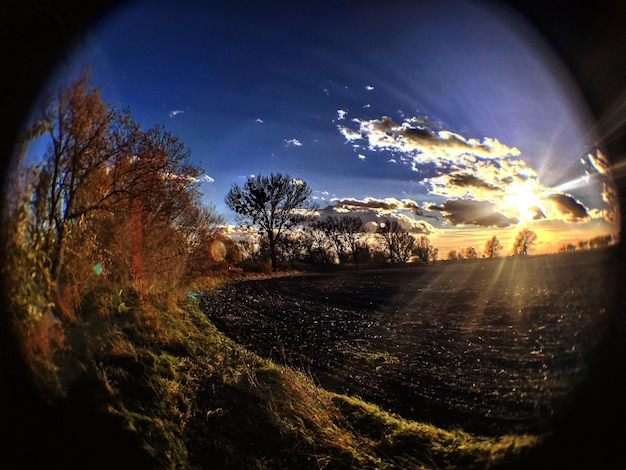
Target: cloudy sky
{"x": 452, "y": 117}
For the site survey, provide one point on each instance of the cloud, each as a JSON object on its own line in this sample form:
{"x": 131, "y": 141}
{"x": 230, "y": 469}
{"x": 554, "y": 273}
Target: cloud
{"x": 258, "y": 120}
{"x": 341, "y": 114}
{"x": 175, "y": 112}
{"x": 369, "y": 87}
{"x": 424, "y": 144}
{"x": 208, "y": 179}
{"x": 292, "y": 143}
{"x": 472, "y": 181}
{"x": 386, "y": 205}
{"x": 567, "y": 206}
{"x": 471, "y": 212}
{"x": 373, "y": 212}
{"x": 484, "y": 182}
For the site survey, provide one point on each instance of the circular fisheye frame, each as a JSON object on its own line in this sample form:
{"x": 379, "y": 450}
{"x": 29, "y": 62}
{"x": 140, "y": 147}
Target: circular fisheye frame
{"x": 310, "y": 234}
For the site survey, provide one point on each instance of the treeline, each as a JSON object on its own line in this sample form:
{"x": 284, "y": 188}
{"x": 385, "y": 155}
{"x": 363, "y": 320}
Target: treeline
{"x": 594, "y": 243}
{"x": 336, "y": 240}
{"x": 279, "y": 208}
{"x": 523, "y": 243}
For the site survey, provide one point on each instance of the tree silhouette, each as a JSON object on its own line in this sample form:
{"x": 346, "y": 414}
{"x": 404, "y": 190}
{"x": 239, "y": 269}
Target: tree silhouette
{"x": 424, "y": 250}
{"x": 524, "y": 242}
{"x": 319, "y": 246}
{"x": 493, "y": 248}
{"x": 343, "y": 234}
{"x": 398, "y": 241}
{"x": 270, "y": 203}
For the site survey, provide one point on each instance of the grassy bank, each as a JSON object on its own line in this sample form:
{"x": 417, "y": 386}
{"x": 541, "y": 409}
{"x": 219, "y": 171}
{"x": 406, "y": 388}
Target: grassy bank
{"x": 182, "y": 395}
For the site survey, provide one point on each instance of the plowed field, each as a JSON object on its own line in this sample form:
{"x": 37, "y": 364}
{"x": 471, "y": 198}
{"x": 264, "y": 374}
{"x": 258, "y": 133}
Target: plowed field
{"x": 490, "y": 346}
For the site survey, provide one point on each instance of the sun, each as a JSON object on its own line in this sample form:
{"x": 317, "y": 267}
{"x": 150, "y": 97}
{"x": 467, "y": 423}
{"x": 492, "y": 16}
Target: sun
{"x": 523, "y": 200}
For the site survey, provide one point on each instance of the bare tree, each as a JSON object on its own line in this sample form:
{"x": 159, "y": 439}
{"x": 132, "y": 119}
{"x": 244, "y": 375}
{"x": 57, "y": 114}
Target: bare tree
{"x": 424, "y": 250}
{"x": 270, "y": 203}
{"x": 319, "y": 248}
{"x": 351, "y": 229}
{"x": 343, "y": 234}
{"x": 493, "y": 248}
{"x": 398, "y": 241}
{"x": 524, "y": 242}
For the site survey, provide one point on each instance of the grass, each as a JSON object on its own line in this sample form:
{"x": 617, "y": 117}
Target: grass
{"x": 191, "y": 398}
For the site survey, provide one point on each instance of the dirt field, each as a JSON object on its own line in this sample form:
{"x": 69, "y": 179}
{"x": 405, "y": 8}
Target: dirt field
{"x": 490, "y": 346}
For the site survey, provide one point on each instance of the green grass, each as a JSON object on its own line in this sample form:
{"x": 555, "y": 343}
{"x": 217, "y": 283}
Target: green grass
{"x": 195, "y": 399}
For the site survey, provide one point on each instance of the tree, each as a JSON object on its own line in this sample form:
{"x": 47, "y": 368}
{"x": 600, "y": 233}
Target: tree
{"x": 524, "y": 242}
{"x": 87, "y": 139}
{"x": 109, "y": 194}
{"x": 471, "y": 253}
{"x": 493, "y": 248}
{"x": 398, "y": 241}
{"x": 270, "y": 203}
{"x": 319, "y": 246}
{"x": 110, "y": 208}
{"x": 343, "y": 234}
{"x": 424, "y": 250}
{"x": 351, "y": 228}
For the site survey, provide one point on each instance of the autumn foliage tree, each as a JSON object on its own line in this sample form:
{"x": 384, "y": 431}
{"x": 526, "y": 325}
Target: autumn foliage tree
{"x": 108, "y": 206}
{"x": 471, "y": 253}
{"x": 77, "y": 176}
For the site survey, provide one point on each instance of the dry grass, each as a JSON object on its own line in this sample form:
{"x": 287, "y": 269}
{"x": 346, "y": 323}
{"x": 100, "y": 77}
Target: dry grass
{"x": 198, "y": 398}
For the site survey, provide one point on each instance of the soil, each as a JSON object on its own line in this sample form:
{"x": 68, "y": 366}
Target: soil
{"x": 489, "y": 346}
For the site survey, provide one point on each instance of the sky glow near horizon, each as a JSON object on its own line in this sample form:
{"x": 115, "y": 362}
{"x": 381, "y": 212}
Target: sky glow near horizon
{"x": 453, "y": 118}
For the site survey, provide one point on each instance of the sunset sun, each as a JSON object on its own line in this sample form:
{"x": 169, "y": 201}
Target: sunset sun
{"x": 524, "y": 200}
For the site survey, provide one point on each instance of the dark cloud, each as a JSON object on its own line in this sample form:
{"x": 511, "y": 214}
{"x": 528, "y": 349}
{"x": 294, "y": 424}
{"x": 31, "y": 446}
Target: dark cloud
{"x": 375, "y": 211}
{"x": 471, "y": 212}
{"x": 467, "y": 180}
{"x": 539, "y": 214}
{"x": 569, "y": 206}
{"x": 387, "y": 204}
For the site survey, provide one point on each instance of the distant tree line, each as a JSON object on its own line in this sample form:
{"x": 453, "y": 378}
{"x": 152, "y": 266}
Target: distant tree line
{"x": 524, "y": 241}
{"x": 278, "y": 206}
{"x": 601, "y": 241}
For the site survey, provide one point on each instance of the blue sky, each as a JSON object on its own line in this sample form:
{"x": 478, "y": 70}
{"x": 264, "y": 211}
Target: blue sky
{"x": 453, "y": 117}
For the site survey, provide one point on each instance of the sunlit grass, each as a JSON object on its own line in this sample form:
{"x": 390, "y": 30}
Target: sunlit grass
{"x": 197, "y": 399}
